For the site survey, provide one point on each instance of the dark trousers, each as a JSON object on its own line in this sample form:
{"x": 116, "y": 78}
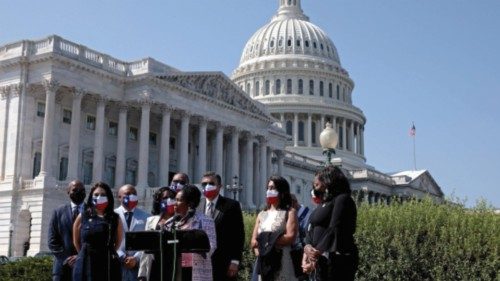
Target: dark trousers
{"x": 66, "y": 274}
{"x": 336, "y": 267}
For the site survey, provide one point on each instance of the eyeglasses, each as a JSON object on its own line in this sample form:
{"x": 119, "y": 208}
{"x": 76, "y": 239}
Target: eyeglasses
{"x": 206, "y": 183}
{"x": 179, "y": 181}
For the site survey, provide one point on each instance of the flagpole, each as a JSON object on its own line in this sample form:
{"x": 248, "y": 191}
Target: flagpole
{"x": 414, "y": 155}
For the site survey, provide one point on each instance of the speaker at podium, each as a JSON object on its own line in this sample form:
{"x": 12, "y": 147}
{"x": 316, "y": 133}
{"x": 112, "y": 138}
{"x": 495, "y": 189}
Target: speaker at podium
{"x": 167, "y": 246}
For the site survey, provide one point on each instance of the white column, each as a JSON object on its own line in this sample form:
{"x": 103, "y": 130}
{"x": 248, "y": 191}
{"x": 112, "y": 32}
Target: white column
{"x": 164, "y": 161}
{"x": 282, "y": 120}
{"x": 309, "y": 133}
{"x": 344, "y": 133}
{"x": 183, "y": 144}
{"x": 48, "y": 127}
{"x": 281, "y": 157}
{"x": 263, "y": 169}
{"x": 362, "y": 143}
{"x": 269, "y": 171}
{"x": 351, "y": 136}
{"x": 121, "y": 146}
{"x": 249, "y": 172}
{"x": 295, "y": 129}
{"x": 201, "y": 165}
{"x": 98, "y": 162}
{"x": 143, "y": 168}
{"x": 235, "y": 159}
{"x": 323, "y": 123}
{"x": 4, "y": 124}
{"x": 219, "y": 151}
{"x": 74, "y": 137}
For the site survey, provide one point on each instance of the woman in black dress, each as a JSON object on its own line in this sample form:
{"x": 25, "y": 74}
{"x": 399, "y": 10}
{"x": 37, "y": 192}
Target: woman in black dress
{"x": 97, "y": 234}
{"x": 330, "y": 252}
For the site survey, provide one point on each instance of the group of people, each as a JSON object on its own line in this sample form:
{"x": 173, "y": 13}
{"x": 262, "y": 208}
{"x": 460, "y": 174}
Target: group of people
{"x": 291, "y": 242}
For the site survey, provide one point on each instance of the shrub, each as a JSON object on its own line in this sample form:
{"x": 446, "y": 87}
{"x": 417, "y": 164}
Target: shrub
{"x": 27, "y": 269}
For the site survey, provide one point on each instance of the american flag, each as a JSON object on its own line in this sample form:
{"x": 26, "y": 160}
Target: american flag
{"x": 412, "y": 131}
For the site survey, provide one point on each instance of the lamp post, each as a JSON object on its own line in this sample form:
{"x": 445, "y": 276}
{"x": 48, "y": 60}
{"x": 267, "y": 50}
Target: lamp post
{"x": 328, "y": 140}
{"x": 11, "y": 231}
{"x": 235, "y": 187}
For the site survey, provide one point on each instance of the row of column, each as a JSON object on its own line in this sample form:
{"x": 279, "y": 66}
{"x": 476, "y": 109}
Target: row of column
{"x": 348, "y": 141}
{"x": 143, "y": 159}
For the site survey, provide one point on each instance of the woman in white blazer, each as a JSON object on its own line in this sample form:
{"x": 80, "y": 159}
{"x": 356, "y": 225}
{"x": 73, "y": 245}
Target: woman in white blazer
{"x": 163, "y": 209}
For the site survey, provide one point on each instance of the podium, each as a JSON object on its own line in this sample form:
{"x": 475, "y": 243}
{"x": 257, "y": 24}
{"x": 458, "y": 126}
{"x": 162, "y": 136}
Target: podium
{"x": 167, "y": 246}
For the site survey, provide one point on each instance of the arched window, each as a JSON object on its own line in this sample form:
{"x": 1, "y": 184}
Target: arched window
{"x": 257, "y": 88}
{"x": 321, "y": 88}
{"x": 301, "y": 131}
{"x": 330, "y": 90}
{"x": 247, "y": 90}
{"x": 313, "y": 132}
{"x": 311, "y": 87}
{"x": 289, "y": 2}
{"x": 289, "y": 42}
{"x": 271, "y": 44}
{"x": 314, "y": 45}
{"x": 278, "y": 87}
{"x": 307, "y": 44}
{"x": 63, "y": 168}
{"x": 268, "y": 88}
{"x": 280, "y": 42}
{"x": 301, "y": 87}
{"x": 338, "y": 92}
{"x": 289, "y": 128}
{"x": 289, "y": 86}
{"x": 298, "y": 43}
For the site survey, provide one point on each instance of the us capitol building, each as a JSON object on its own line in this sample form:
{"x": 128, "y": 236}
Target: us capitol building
{"x": 70, "y": 112}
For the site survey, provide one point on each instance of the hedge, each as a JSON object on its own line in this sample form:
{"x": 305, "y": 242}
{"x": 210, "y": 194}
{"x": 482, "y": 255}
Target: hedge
{"x": 409, "y": 241}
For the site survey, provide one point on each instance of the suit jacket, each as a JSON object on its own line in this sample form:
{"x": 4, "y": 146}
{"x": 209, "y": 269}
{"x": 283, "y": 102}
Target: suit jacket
{"x": 61, "y": 237}
{"x": 230, "y": 234}
{"x": 138, "y": 223}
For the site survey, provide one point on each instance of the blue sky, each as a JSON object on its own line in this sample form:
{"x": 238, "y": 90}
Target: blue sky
{"x": 432, "y": 62}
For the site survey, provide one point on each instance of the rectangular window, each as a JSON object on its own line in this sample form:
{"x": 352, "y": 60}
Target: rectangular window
{"x": 63, "y": 168}
{"x": 132, "y": 133}
{"x": 112, "y": 128}
{"x": 311, "y": 87}
{"x": 321, "y": 88}
{"x": 40, "y": 109}
{"x": 152, "y": 138}
{"x": 172, "y": 143}
{"x": 90, "y": 122}
{"x": 66, "y": 116}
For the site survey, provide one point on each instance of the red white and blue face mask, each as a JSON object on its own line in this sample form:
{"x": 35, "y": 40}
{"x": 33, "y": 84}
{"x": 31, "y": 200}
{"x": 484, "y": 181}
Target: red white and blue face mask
{"x": 130, "y": 201}
{"x": 167, "y": 206}
{"x": 272, "y": 196}
{"x": 210, "y": 191}
{"x": 177, "y": 186}
{"x": 100, "y": 202}
{"x": 316, "y": 200}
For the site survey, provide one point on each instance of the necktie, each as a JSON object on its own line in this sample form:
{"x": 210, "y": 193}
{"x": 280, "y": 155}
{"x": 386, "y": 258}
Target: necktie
{"x": 75, "y": 212}
{"x": 210, "y": 209}
{"x": 128, "y": 218}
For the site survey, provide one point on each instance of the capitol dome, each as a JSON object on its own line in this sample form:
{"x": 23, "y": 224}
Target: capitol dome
{"x": 292, "y": 66}
{"x": 290, "y": 32}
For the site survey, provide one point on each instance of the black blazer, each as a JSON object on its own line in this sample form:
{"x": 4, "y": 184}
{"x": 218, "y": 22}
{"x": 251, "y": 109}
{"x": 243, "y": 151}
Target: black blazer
{"x": 61, "y": 237}
{"x": 230, "y": 235}
{"x": 339, "y": 236}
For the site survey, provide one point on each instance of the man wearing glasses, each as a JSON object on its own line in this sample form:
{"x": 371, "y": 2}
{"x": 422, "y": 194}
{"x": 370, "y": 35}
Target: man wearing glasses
{"x": 179, "y": 181}
{"x": 229, "y": 228}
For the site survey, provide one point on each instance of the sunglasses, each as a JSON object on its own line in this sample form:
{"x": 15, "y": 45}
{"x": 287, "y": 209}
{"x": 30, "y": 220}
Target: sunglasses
{"x": 207, "y": 183}
{"x": 179, "y": 181}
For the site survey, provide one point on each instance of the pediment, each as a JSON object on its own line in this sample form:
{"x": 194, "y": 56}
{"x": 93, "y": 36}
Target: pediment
{"x": 217, "y": 86}
{"x": 426, "y": 183}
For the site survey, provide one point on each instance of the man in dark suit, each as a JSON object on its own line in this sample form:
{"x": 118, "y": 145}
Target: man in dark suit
{"x": 61, "y": 232}
{"x": 228, "y": 226}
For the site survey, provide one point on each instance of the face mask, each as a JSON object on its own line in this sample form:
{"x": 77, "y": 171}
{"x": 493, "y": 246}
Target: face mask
{"x": 210, "y": 191}
{"x": 100, "y": 202}
{"x": 78, "y": 196}
{"x": 130, "y": 201}
{"x": 177, "y": 186}
{"x": 316, "y": 200}
{"x": 167, "y": 206}
{"x": 272, "y": 196}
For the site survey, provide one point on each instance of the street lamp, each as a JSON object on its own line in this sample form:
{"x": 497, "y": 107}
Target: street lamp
{"x": 328, "y": 140}
{"x": 235, "y": 187}
{"x": 11, "y": 231}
